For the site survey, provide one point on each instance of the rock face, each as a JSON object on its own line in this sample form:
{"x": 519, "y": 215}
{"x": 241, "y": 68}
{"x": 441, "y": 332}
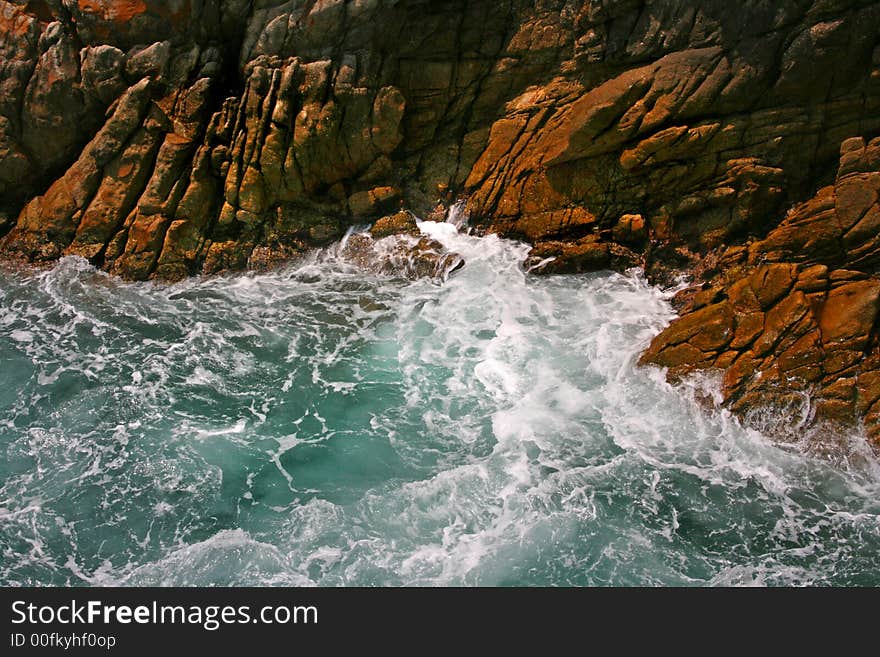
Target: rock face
{"x": 164, "y": 138}
{"x": 795, "y": 312}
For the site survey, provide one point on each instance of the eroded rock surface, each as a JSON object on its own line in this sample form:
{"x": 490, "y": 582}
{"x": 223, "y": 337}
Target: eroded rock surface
{"x": 796, "y": 312}
{"x": 274, "y": 125}
{"x": 162, "y": 138}
{"x": 401, "y": 255}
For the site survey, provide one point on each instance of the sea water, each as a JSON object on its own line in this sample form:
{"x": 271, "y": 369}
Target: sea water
{"x": 319, "y": 425}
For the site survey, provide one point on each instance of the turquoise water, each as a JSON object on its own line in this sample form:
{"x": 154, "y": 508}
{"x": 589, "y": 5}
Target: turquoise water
{"x": 319, "y": 425}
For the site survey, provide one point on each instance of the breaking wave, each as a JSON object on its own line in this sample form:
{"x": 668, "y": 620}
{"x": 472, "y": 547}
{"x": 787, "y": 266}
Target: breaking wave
{"x": 319, "y": 425}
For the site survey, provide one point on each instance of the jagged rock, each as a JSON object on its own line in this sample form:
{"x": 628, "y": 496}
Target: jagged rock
{"x": 402, "y": 223}
{"x": 102, "y": 73}
{"x": 151, "y": 60}
{"x": 589, "y": 254}
{"x": 801, "y": 316}
{"x": 162, "y": 139}
{"x": 631, "y": 229}
{"x": 402, "y": 256}
{"x": 555, "y": 119}
{"x": 55, "y": 115}
{"x": 48, "y": 224}
{"x": 374, "y": 201}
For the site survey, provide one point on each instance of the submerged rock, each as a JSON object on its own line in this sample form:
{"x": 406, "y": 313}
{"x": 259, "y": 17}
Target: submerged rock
{"x": 402, "y": 256}
{"x": 165, "y": 139}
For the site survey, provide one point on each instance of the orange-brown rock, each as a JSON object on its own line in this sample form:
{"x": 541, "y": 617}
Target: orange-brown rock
{"x": 631, "y": 229}
{"x": 402, "y": 223}
{"x": 588, "y": 254}
{"x": 401, "y": 255}
{"x": 806, "y": 323}
{"x": 162, "y": 138}
{"x": 370, "y": 203}
{"x": 665, "y": 129}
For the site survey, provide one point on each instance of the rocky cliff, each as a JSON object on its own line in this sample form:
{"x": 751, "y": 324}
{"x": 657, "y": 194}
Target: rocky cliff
{"x": 729, "y": 141}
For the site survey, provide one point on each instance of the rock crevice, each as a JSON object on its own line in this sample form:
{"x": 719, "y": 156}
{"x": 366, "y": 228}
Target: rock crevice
{"x": 795, "y": 314}
{"x": 731, "y": 141}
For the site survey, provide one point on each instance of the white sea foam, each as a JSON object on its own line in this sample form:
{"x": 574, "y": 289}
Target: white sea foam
{"x": 320, "y": 425}
{"x": 230, "y": 558}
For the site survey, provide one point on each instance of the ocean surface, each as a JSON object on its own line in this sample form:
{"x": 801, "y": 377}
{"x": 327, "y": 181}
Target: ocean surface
{"x": 322, "y": 426}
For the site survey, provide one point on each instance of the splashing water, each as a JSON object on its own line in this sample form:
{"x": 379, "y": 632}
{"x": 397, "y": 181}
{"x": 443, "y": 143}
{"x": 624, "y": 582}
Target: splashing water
{"x": 317, "y": 425}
